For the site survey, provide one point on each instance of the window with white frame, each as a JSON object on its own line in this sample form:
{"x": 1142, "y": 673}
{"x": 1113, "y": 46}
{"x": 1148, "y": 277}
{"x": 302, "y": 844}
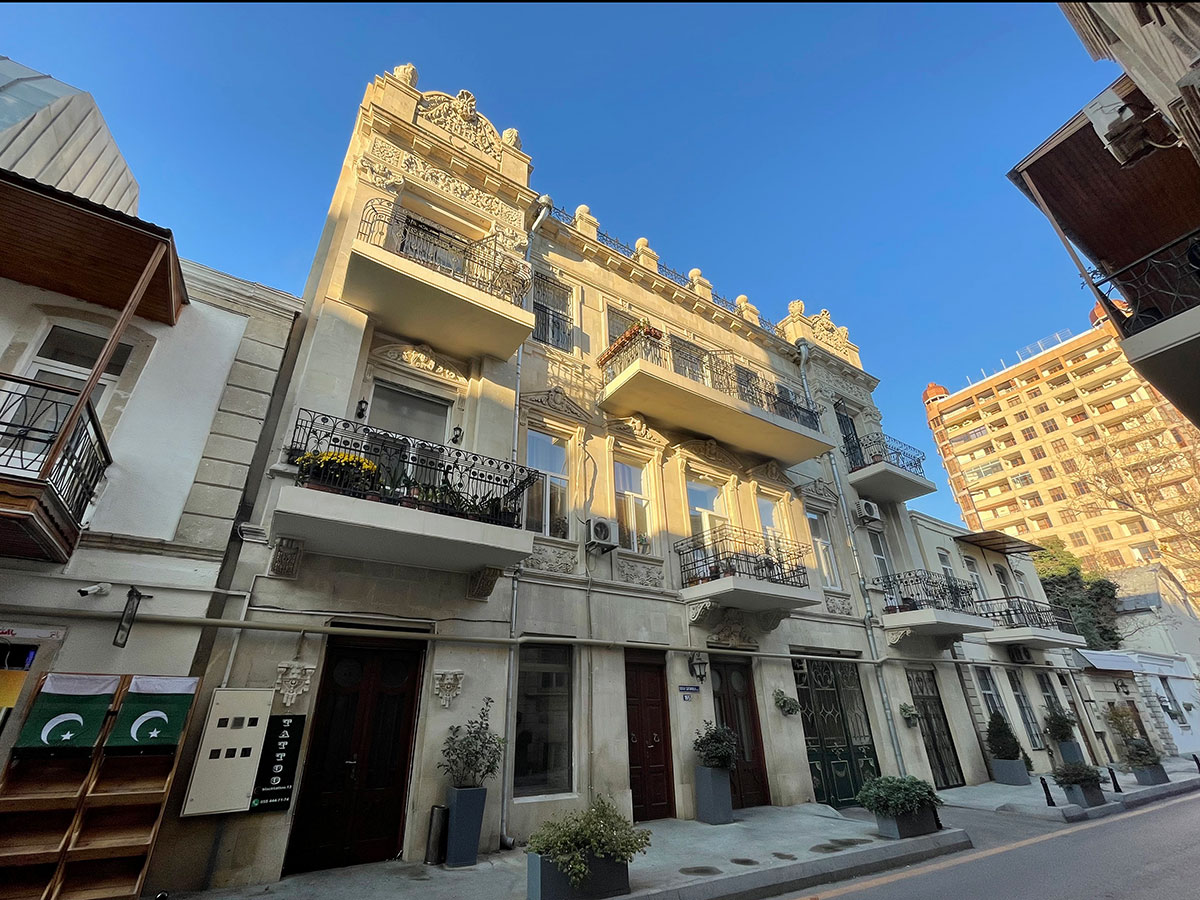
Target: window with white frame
{"x": 883, "y": 555}
{"x": 818, "y": 529}
{"x": 706, "y": 506}
{"x": 1049, "y": 695}
{"x": 946, "y": 563}
{"x": 632, "y": 505}
{"x": 990, "y": 692}
{"x": 1005, "y": 582}
{"x": 1028, "y": 719}
{"x": 768, "y": 519}
{"x": 976, "y": 576}
{"x": 1022, "y": 584}
{"x": 547, "y": 503}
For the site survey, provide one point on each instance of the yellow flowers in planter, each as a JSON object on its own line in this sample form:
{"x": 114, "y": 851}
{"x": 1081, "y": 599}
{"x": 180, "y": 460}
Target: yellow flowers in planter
{"x": 341, "y": 468}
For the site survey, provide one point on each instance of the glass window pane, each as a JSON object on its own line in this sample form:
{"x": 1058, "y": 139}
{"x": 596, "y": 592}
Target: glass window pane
{"x": 542, "y": 748}
{"x": 560, "y": 522}
{"x": 535, "y": 507}
{"x": 641, "y": 521}
{"x": 766, "y": 513}
{"x": 546, "y": 453}
{"x": 407, "y": 413}
{"x": 702, "y": 496}
{"x": 77, "y": 348}
{"x": 627, "y": 478}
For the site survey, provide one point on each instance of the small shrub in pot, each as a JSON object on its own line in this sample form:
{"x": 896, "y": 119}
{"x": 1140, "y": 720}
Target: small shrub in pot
{"x": 716, "y": 747}
{"x": 1080, "y": 782}
{"x": 1007, "y": 767}
{"x": 584, "y": 854}
{"x": 1060, "y": 726}
{"x": 470, "y": 756}
{"x": 1145, "y": 762}
{"x": 903, "y": 807}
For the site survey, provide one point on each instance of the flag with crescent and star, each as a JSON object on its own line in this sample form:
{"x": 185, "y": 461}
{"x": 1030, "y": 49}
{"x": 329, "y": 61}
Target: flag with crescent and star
{"x": 69, "y": 711}
{"x": 153, "y": 711}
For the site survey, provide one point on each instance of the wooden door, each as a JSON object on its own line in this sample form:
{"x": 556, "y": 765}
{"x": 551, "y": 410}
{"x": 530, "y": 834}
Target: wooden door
{"x": 650, "y": 776}
{"x": 733, "y": 696}
{"x": 353, "y": 792}
{"x": 935, "y": 730}
{"x": 837, "y": 731}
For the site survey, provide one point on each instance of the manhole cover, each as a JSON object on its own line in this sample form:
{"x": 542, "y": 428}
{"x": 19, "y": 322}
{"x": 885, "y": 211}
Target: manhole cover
{"x": 699, "y": 870}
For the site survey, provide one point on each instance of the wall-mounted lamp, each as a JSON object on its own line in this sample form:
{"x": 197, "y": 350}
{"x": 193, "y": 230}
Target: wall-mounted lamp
{"x": 1121, "y": 686}
{"x": 360, "y": 411}
{"x": 698, "y": 666}
{"x": 456, "y": 436}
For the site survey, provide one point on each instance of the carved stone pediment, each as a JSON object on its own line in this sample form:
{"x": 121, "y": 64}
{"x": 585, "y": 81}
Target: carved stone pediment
{"x": 422, "y": 358}
{"x": 459, "y": 117}
{"x": 771, "y": 471}
{"x": 710, "y": 451}
{"x": 559, "y": 401}
{"x": 637, "y": 427}
{"x": 829, "y": 334}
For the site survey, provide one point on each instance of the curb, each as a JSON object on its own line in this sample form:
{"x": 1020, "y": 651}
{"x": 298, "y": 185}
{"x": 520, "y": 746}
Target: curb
{"x": 1159, "y": 791}
{"x": 800, "y": 875}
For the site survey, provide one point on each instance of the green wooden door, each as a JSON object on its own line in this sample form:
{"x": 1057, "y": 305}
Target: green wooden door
{"x": 837, "y": 731}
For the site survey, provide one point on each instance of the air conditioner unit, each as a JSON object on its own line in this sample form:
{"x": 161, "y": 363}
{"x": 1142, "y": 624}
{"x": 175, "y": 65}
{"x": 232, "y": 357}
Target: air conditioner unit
{"x": 868, "y": 511}
{"x": 1019, "y": 653}
{"x": 601, "y": 534}
{"x": 1119, "y": 127}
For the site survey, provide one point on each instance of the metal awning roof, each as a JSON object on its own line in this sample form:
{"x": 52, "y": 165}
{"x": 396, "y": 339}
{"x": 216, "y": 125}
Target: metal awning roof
{"x": 998, "y": 542}
{"x": 1110, "y": 660}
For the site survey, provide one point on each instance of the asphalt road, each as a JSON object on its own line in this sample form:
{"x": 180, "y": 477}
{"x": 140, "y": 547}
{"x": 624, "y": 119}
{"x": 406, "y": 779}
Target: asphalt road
{"x": 1151, "y": 853}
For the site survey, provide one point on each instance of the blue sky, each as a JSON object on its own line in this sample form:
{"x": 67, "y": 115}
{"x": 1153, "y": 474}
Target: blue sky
{"x": 852, "y": 156}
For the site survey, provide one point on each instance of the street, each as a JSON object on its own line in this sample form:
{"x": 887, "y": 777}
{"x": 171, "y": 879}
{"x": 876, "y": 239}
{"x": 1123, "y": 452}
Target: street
{"x": 1145, "y": 854}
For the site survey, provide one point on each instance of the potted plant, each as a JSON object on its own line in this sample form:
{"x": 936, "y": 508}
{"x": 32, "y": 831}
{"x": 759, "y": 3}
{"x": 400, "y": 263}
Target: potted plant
{"x": 1145, "y": 762}
{"x": 583, "y": 855}
{"x": 1081, "y": 783}
{"x": 789, "y": 706}
{"x": 909, "y": 714}
{"x": 716, "y": 745}
{"x": 470, "y": 756}
{"x": 338, "y": 472}
{"x": 1060, "y": 726}
{"x": 903, "y": 807}
{"x": 1007, "y": 767}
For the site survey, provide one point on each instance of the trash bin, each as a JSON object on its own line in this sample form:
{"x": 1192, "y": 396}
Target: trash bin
{"x": 435, "y": 842}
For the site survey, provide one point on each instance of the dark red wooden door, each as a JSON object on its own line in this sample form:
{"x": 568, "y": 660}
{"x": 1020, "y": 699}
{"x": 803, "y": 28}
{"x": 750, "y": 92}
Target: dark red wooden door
{"x": 733, "y": 696}
{"x": 352, "y": 796}
{"x": 650, "y": 774}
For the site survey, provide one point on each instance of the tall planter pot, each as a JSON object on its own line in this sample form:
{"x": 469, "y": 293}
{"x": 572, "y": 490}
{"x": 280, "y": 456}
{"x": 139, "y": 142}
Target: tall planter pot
{"x": 1009, "y": 771}
{"x": 1084, "y": 795}
{"x": 714, "y": 802}
{"x": 545, "y": 881}
{"x": 1151, "y": 775}
{"x": 1070, "y": 751}
{"x": 464, "y": 825}
{"x": 906, "y": 825}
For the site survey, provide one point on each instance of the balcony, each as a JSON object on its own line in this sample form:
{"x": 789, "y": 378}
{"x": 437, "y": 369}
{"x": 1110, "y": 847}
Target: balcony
{"x": 364, "y": 493}
{"x": 461, "y": 297}
{"x": 886, "y": 469}
{"x": 1030, "y": 622}
{"x": 745, "y": 570}
{"x": 707, "y": 393}
{"x": 930, "y": 603}
{"x": 1162, "y": 287}
{"x": 46, "y": 483}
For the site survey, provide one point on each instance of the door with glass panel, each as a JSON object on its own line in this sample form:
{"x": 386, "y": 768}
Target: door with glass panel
{"x": 733, "y": 699}
{"x": 706, "y": 512}
{"x": 775, "y": 560}
{"x": 837, "y": 731}
{"x": 547, "y": 503}
{"x": 850, "y": 441}
{"x": 633, "y": 507}
{"x": 409, "y": 443}
{"x": 935, "y": 730}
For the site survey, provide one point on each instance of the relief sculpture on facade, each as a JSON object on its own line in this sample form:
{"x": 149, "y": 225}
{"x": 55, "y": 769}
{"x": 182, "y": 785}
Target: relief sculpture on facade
{"x": 643, "y": 573}
{"x": 458, "y": 116}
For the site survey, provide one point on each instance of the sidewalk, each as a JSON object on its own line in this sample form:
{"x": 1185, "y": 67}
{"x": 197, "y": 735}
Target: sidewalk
{"x": 767, "y": 850}
{"x": 1030, "y": 800}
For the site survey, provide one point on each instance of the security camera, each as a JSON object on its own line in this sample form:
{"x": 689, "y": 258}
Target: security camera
{"x": 95, "y": 590}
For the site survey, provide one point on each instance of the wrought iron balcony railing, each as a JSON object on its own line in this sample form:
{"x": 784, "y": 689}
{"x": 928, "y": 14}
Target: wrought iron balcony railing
{"x": 715, "y": 370}
{"x": 1021, "y": 612}
{"x": 356, "y": 460}
{"x": 482, "y": 264}
{"x": 32, "y": 414}
{"x": 922, "y": 589}
{"x": 1157, "y": 287}
{"x": 726, "y": 551}
{"x": 872, "y": 448}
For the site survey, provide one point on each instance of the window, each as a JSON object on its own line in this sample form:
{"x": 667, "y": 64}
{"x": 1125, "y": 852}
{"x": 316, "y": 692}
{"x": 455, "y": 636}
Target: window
{"x": 1005, "y": 582}
{"x": 1037, "y": 452}
{"x": 1032, "y": 728}
{"x": 1022, "y": 528}
{"x": 1057, "y": 495}
{"x": 633, "y": 507}
{"x": 706, "y": 506}
{"x": 618, "y": 322}
{"x": 1049, "y": 426}
{"x": 1036, "y": 392}
{"x": 768, "y": 518}
{"x": 547, "y": 503}
{"x": 409, "y": 413}
{"x": 818, "y": 529}
{"x": 1069, "y": 466}
{"x": 1022, "y": 416}
{"x": 1049, "y": 696}
{"x": 883, "y": 556}
{"x": 1103, "y": 533}
{"x": 1013, "y": 401}
{"x": 1041, "y": 523}
{"x": 1022, "y": 480}
{"x": 1046, "y": 473}
{"x": 552, "y": 312}
{"x": 1080, "y": 488}
{"x": 989, "y": 692}
{"x": 1058, "y": 445}
{"x": 1028, "y": 433}
{"x": 1078, "y": 538}
{"x": 542, "y": 748}
{"x": 1032, "y": 500}
{"x": 1069, "y": 516}
{"x": 1022, "y": 584}
{"x": 976, "y": 578}
{"x": 1135, "y": 526}
{"x": 1078, "y": 417}
{"x": 1113, "y": 558}
{"x": 1041, "y": 408}
{"x": 1146, "y": 552}
{"x": 947, "y": 565}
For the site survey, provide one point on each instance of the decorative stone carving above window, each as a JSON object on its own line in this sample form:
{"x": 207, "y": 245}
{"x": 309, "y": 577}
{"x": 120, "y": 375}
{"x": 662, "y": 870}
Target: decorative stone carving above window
{"x": 556, "y": 399}
{"x": 646, "y": 574}
{"x": 712, "y": 452}
{"x": 770, "y": 471}
{"x": 458, "y": 116}
{"x": 840, "y": 606}
{"x": 420, "y": 356}
{"x": 637, "y": 427}
{"x": 294, "y": 679}
{"x": 829, "y": 334}
{"x": 549, "y": 558}
{"x": 381, "y": 176}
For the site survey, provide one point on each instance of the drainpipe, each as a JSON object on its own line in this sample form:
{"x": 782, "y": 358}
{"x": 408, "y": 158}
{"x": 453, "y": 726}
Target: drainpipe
{"x": 803, "y": 347}
{"x": 545, "y": 204}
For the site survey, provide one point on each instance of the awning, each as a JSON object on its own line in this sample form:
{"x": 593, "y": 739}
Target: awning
{"x": 998, "y": 542}
{"x": 1110, "y": 660}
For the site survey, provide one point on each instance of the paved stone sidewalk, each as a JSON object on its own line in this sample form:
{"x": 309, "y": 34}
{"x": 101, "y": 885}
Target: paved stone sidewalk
{"x": 781, "y": 848}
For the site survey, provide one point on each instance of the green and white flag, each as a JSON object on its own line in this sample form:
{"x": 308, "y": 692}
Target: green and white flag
{"x": 153, "y": 711}
{"x": 69, "y": 711}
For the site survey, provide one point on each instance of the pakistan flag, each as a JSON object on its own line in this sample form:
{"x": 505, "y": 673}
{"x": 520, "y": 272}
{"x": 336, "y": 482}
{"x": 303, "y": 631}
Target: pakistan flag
{"x": 153, "y": 711}
{"x": 69, "y": 711}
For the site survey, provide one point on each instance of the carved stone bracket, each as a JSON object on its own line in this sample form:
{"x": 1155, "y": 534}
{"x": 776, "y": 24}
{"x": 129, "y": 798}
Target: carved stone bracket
{"x": 548, "y": 558}
{"x": 896, "y": 635}
{"x": 481, "y": 582}
{"x": 735, "y": 627}
{"x": 286, "y": 557}
{"x": 381, "y": 176}
{"x": 447, "y": 685}
{"x": 646, "y": 574}
{"x": 294, "y": 679}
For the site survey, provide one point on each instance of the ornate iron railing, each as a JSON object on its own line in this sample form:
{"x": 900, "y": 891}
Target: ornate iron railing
{"x": 726, "y": 551}
{"x": 1157, "y": 287}
{"x": 32, "y": 413}
{"x": 562, "y": 215}
{"x": 357, "y": 460}
{"x": 922, "y": 589}
{"x": 482, "y": 264}
{"x": 879, "y": 447}
{"x": 716, "y": 370}
{"x": 613, "y": 243}
{"x": 553, "y": 328}
{"x": 1021, "y": 612}
{"x": 675, "y": 275}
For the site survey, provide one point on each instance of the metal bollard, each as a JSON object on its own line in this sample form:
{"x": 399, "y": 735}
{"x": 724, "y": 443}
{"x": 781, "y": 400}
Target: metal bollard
{"x": 435, "y": 843}
{"x": 1113, "y": 776}
{"x": 1046, "y": 788}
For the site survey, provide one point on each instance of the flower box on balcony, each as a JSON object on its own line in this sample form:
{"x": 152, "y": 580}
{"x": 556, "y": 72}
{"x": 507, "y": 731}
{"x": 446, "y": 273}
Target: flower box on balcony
{"x": 627, "y": 337}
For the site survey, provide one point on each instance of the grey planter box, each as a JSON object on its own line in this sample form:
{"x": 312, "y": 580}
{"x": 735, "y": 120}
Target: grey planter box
{"x": 1084, "y": 795}
{"x": 545, "y": 881}
{"x": 924, "y": 821}
{"x": 464, "y": 825}
{"x": 714, "y": 803}
{"x": 1009, "y": 771}
{"x": 1070, "y": 751}
{"x": 1151, "y": 775}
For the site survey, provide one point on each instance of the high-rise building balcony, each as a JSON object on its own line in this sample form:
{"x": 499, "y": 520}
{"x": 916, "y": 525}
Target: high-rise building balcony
{"x": 47, "y": 475}
{"x": 883, "y": 468}
{"x": 683, "y": 386}
{"x": 364, "y": 493}
{"x": 461, "y": 297}
{"x": 930, "y": 603}
{"x": 1030, "y": 622}
{"x": 745, "y": 570}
